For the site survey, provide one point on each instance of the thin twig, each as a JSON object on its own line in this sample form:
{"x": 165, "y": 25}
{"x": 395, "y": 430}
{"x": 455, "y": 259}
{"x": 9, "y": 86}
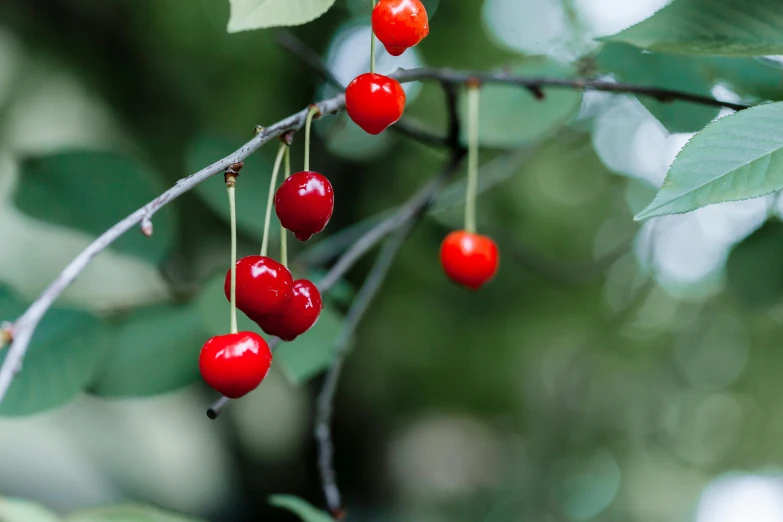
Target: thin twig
{"x": 25, "y": 325}
{"x": 325, "y": 402}
{"x": 579, "y": 84}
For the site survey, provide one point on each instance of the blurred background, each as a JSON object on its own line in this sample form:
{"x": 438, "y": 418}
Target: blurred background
{"x": 613, "y": 371}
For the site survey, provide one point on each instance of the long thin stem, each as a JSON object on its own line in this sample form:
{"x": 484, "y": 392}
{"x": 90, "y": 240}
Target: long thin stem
{"x": 372, "y": 43}
{"x": 270, "y": 198}
{"x": 283, "y": 232}
{"x": 309, "y": 123}
{"x": 473, "y": 158}
{"x": 232, "y": 206}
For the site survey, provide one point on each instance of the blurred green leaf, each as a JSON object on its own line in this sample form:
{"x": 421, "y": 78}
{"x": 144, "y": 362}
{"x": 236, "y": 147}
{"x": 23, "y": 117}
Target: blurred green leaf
{"x": 126, "y": 513}
{"x": 18, "y": 510}
{"x": 511, "y": 116}
{"x": 753, "y": 267}
{"x": 719, "y": 27}
{"x": 301, "y": 508}
{"x": 312, "y": 352}
{"x": 91, "y": 191}
{"x": 747, "y": 77}
{"x": 214, "y": 309}
{"x": 260, "y": 14}
{"x": 681, "y": 73}
{"x": 154, "y": 350}
{"x": 737, "y": 157}
{"x": 66, "y": 350}
{"x": 252, "y": 185}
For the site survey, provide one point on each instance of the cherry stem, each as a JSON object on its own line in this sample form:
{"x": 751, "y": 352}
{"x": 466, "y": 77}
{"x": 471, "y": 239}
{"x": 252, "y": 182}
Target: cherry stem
{"x": 270, "y": 198}
{"x": 283, "y": 235}
{"x": 232, "y": 206}
{"x": 473, "y": 158}
{"x": 312, "y": 112}
{"x": 372, "y": 43}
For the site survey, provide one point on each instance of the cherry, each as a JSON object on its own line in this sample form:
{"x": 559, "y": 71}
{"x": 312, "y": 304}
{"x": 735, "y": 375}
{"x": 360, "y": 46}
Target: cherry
{"x": 400, "y": 24}
{"x": 374, "y": 102}
{"x": 235, "y": 364}
{"x": 469, "y": 259}
{"x": 263, "y": 286}
{"x": 304, "y": 203}
{"x": 298, "y": 315}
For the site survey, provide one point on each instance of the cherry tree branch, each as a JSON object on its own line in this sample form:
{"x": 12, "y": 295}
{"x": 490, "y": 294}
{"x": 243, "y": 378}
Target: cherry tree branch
{"x": 536, "y": 84}
{"x": 25, "y": 325}
{"x": 325, "y": 402}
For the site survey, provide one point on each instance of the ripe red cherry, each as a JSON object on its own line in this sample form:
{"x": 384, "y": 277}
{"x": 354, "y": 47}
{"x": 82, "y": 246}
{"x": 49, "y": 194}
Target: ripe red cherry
{"x": 304, "y": 203}
{"x": 400, "y": 24}
{"x": 263, "y": 286}
{"x": 374, "y": 102}
{"x": 469, "y": 259}
{"x": 235, "y": 364}
{"x": 298, "y": 315}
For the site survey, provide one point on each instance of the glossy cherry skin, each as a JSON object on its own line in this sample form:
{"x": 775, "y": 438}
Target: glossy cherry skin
{"x": 298, "y": 315}
{"x": 374, "y": 102}
{"x": 304, "y": 203}
{"x": 263, "y": 286}
{"x": 400, "y": 24}
{"x": 470, "y": 260}
{"x": 235, "y": 364}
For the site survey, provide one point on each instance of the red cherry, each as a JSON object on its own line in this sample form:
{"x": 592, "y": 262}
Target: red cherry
{"x": 304, "y": 203}
{"x": 263, "y": 285}
{"x": 235, "y": 364}
{"x": 374, "y": 102}
{"x": 298, "y": 315}
{"x": 400, "y": 24}
{"x": 469, "y": 259}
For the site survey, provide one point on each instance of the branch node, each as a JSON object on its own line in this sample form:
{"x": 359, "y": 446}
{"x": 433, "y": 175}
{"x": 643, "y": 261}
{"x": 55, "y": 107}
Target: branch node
{"x": 338, "y": 514}
{"x": 316, "y": 110}
{"x": 232, "y": 172}
{"x": 146, "y": 226}
{"x": 288, "y": 138}
{"x": 6, "y": 334}
{"x": 473, "y": 82}
{"x": 536, "y": 91}
{"x": 258, "y": 129}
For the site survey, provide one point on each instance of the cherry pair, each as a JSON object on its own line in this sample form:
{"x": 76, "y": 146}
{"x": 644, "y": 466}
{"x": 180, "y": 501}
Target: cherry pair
{"x": 374, "y": 101}
{"x": 268, "y": 295}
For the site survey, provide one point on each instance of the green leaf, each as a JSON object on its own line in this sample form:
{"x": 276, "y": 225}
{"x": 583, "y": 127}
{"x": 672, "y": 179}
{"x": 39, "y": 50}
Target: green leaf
{"x": 66, "y": 350}
{"x": 736, "y": 157}
{"x": 710, "y": 27}
{"x": 747, "y": 77}
{"x": 511, "y": 116}
{"x": 126, "y": 513}
{"x": 18, "y": 510}
{"x": 312, "y": 352}
{"x": 753, "y": 268}
{"x": 253, "y": 186}
{"x": 301, "y": 359}
{"x": 154, "y": 350}
{"x": 91, "y": 191}
{"x": 681, "y": 73}
{"x": 260, "y": 14}
{"x": 299, "y": 507}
